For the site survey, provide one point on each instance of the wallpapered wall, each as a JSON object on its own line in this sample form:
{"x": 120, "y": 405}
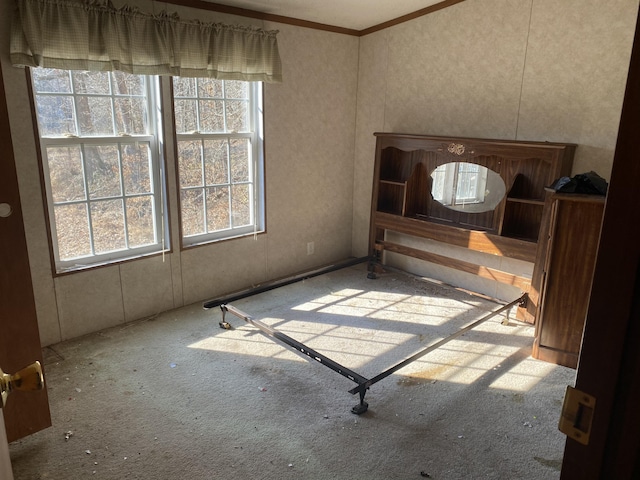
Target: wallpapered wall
{"x": 309, "y": 131}
{"x": 516, "y": 69}
{"x": 512, "y": 69}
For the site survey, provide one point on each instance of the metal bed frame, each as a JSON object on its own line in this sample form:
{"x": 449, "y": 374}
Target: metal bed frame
{"x": 363, "y": 383}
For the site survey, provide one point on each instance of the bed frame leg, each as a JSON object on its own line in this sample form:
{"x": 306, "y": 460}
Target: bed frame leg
{"x": 372, "y": 268}
{"x": 375, "y": 260}
{"x": 223, "y": 323}
{"x": 363, "y": 406}
{"x": 506, "y": 318}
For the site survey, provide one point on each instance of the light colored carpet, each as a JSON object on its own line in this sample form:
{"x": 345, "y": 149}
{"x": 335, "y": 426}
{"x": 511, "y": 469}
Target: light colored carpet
{"x": 176, "y": 396}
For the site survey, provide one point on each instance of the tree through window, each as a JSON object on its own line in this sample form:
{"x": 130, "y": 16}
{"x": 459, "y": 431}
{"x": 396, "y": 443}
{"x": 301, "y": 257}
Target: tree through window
{"x": 100, "y": 150}
{"x": 219, "y": 145}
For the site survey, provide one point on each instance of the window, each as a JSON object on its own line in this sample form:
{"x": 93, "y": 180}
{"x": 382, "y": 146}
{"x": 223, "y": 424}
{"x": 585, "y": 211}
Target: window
{"x": 101, "y": 159}
{"x": 220, "y": 158}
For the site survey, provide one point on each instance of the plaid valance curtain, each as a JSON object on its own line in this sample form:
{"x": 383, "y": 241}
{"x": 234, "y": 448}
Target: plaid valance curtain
{"x": 94, "y": 35}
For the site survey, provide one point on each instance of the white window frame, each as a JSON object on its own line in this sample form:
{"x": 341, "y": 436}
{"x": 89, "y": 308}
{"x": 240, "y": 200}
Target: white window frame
{"x": 255, "y": 135}
{"x": 154, "y": 138}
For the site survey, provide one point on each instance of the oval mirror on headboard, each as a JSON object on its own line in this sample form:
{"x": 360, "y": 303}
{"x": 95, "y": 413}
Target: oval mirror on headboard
{"x": 467, "y": 187}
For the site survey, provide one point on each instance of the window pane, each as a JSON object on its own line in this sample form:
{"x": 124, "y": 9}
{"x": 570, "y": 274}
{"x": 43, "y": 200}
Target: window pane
{"x": 103, "y": 171}
{"x": 56, "y": 115}
{"x": 91, "y": 82}
{"x": 190, "y": 164}
{"x": 215, "y": 162}
{"x": 127, "y": 84}
{"x": 136, "y": 168}
{"x": 237, "y": 116}
{"x": 72, "y": 229}
{"x": 236, "y": 89}
{"x": 95, "y": 115}
{"x": 217, "y": 208}
{"x": 140, "y": 221}
{"x": 51, "y": 80}
{"x": 184, "y": 87}
{"x": 241, "y": 205}
{"x": 66, "y": 173}
{"x": 107, "y": 220}
{"x": 209, "y": 88}
{"x": 186, "y": 116}
{"x": 211, "y": 115}
{"x": 192, "y": 212}
{"x": 239, "y": 160}
{"x": 130, "y": 115}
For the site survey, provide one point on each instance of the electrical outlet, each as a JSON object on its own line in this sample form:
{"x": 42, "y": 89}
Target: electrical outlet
{"x": 310, "y": 248}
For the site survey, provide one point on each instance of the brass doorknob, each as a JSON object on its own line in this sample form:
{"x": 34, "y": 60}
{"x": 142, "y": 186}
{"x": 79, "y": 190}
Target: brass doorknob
{"x": 29, "y": 378}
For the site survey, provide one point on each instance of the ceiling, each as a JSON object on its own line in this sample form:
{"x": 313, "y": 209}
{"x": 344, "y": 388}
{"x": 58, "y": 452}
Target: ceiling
{"x": 351, "y": 14}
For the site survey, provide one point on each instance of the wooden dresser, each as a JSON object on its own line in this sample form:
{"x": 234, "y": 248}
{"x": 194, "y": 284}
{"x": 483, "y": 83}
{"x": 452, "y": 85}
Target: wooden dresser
{"x": 563, "y": 270}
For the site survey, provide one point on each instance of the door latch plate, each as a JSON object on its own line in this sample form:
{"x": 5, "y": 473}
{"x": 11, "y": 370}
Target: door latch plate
{"x": 577, "y": 415}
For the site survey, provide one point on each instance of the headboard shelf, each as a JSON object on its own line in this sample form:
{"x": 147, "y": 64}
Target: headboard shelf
{"x": 476, "y": 240}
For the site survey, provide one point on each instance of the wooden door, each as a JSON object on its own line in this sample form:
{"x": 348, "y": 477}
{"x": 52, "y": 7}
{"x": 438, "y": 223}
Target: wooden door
{"x": 25, "y": 412}
{"x": 609, "y": 364}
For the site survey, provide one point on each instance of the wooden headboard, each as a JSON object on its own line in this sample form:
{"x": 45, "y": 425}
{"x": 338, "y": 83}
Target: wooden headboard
{"x": 402, "y": 201}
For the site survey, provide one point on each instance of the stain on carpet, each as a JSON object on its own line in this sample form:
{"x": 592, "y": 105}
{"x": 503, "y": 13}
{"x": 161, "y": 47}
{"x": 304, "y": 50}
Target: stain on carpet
{"x": 555, "y": 464}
